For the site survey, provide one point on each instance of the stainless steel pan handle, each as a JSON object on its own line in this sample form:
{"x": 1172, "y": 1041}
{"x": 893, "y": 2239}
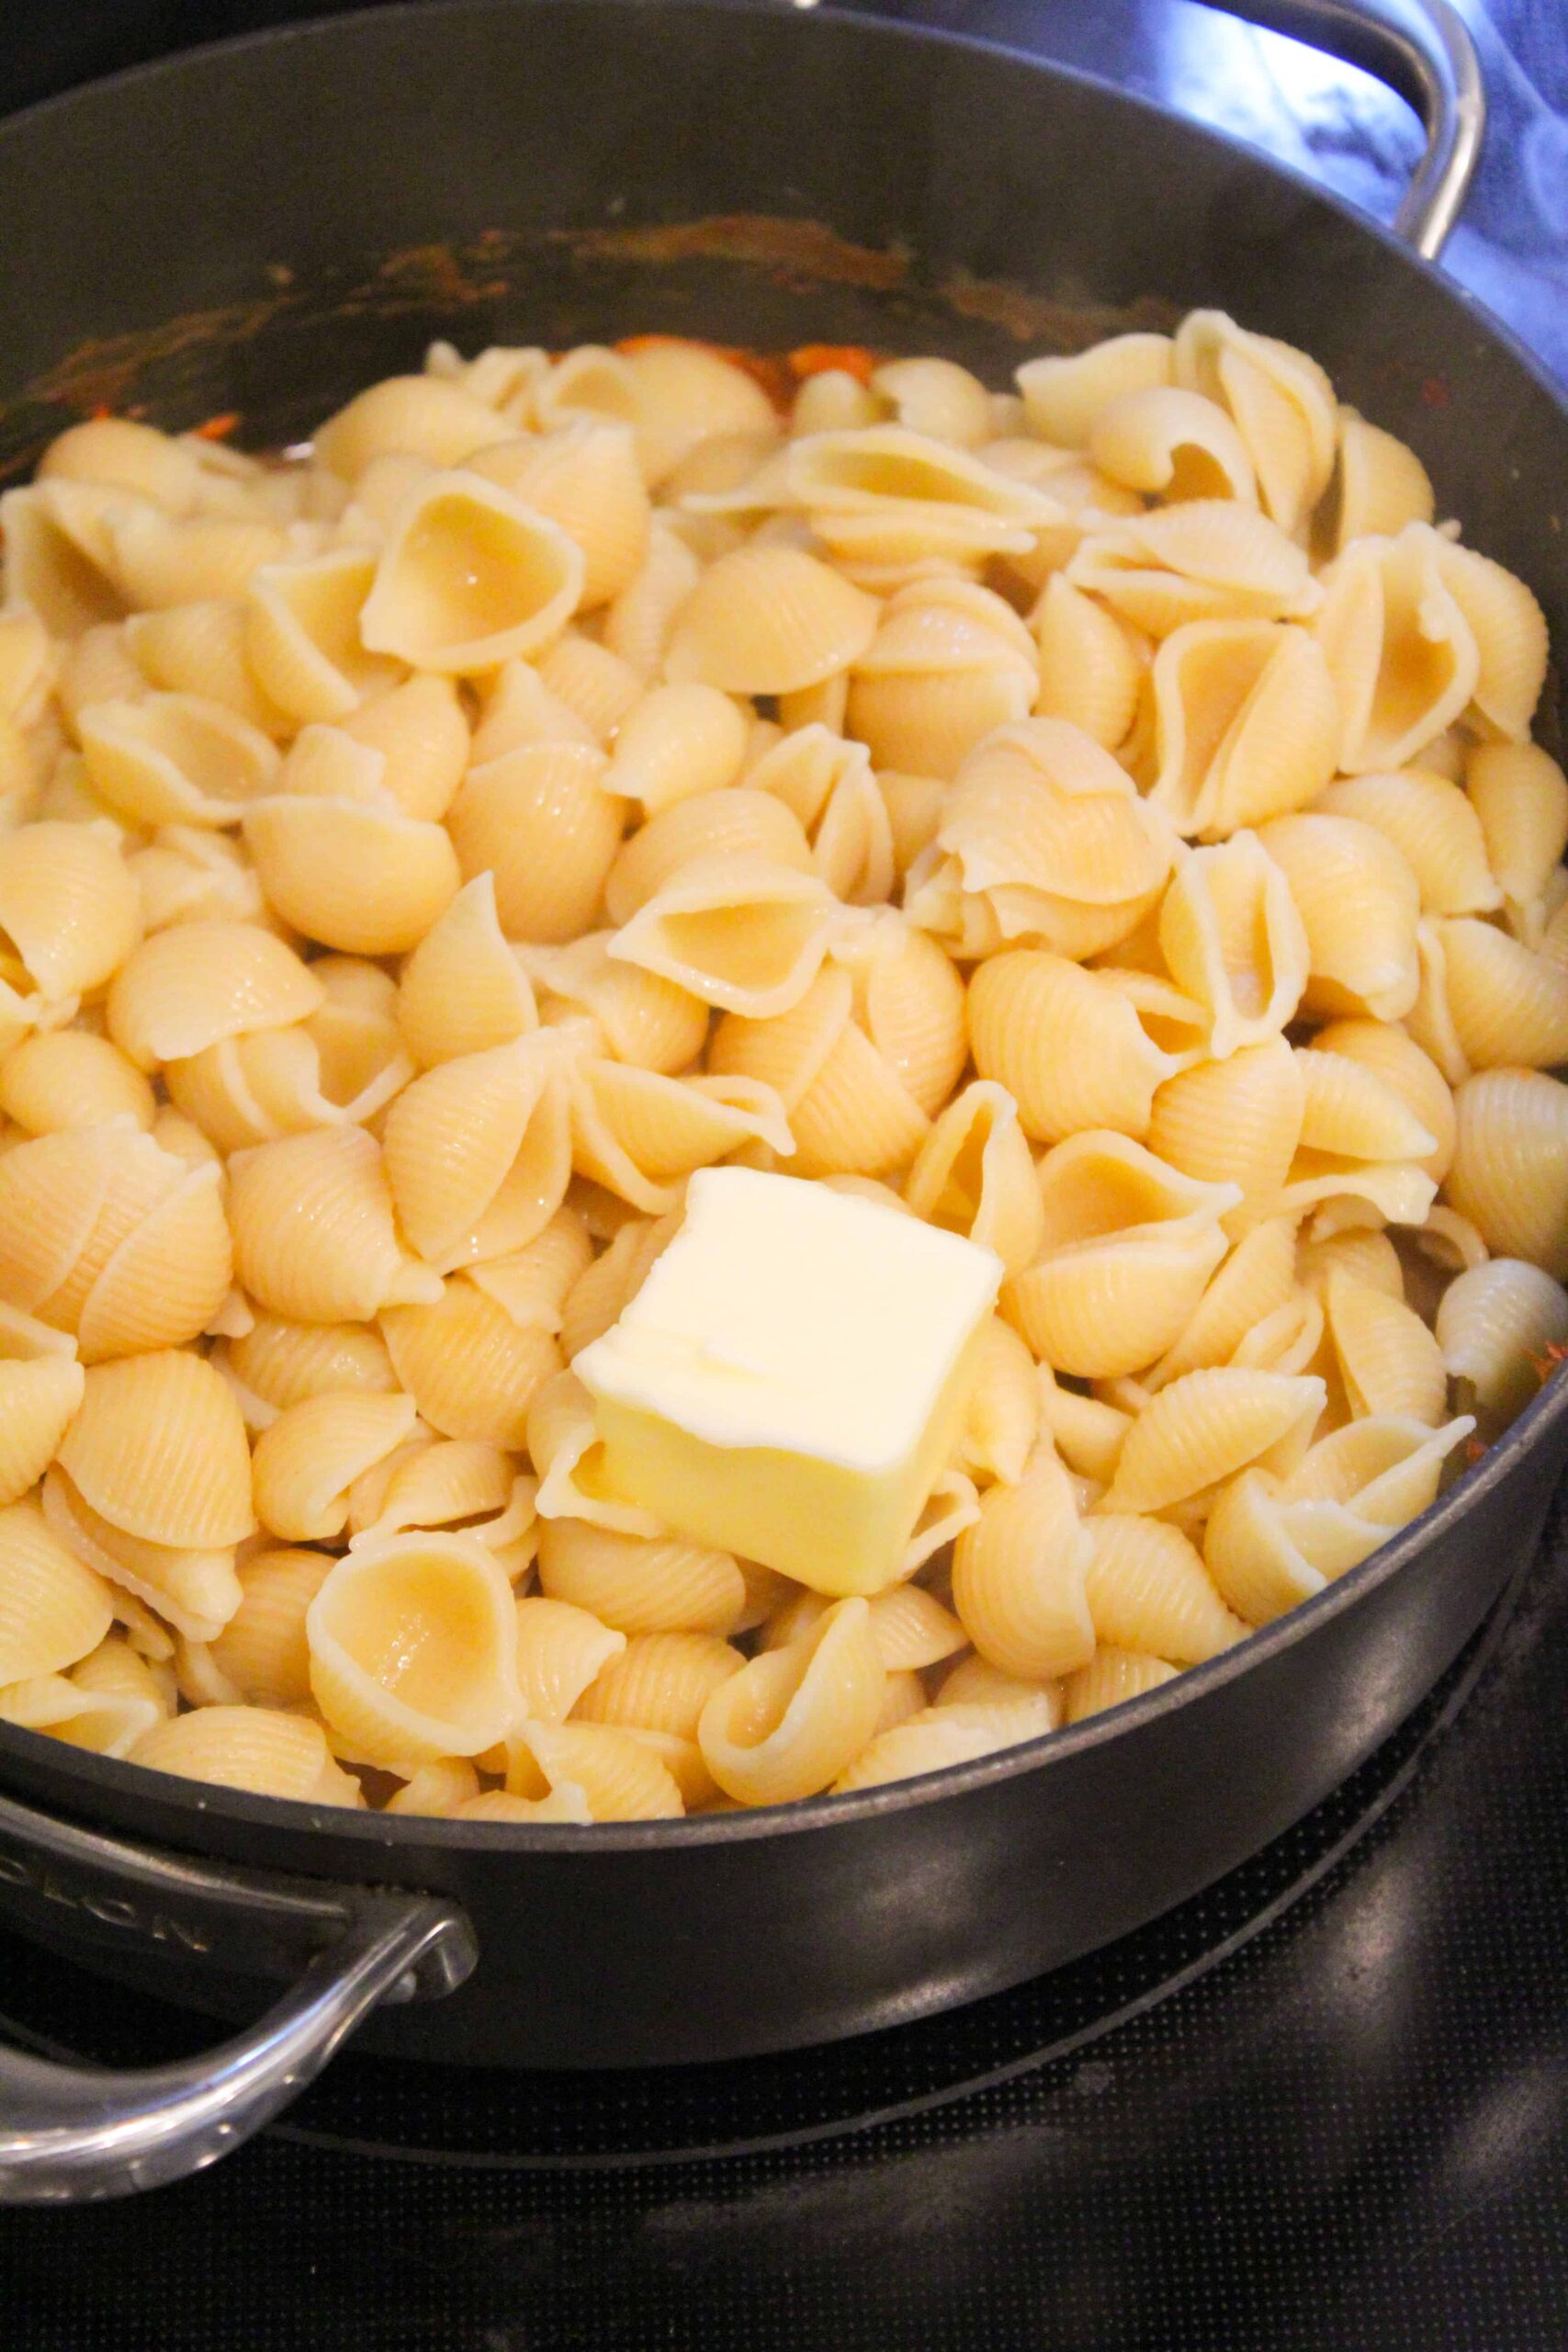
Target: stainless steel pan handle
{"x": 75, "y": 2133}
{"x": 1423, "y": 49}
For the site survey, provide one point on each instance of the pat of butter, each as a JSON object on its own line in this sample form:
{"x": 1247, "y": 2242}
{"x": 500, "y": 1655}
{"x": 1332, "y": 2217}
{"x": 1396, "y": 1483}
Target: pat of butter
{"x": 791, "y": 1376}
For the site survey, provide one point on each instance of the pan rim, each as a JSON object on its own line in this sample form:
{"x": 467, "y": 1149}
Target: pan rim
{"x": 1545, "y": 1418}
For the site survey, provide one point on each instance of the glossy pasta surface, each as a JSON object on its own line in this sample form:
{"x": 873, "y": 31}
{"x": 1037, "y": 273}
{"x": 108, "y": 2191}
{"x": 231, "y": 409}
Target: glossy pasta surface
{"x": 1100, "y": 819}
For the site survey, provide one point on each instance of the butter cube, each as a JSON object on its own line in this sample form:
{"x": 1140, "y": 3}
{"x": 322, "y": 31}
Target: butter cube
{"x": 791, "y": 1376}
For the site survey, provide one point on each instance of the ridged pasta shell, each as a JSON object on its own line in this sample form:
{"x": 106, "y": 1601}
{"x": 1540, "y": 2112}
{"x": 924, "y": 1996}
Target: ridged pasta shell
{"x": 935, "y": 398}
{"x": 1506, "y": 1004}
{"x": 159, "y": 1449}
{"x": 869, "y": 468}
{"x": 1148, "y": 1589}
{"x": 69, "y": 907}
{"x": 1173, "y": 444}
{"x": 191, "y": 985}
{"x": 1067, "y": 1045}
{"x": 1208, "y": 560}
{"x": 639, "y": 622}
{"x": 413, "y": 1650}
{"x": 658, "y": 1682}
{"x": 1436, "y": 829}
{"x": 302, "y": 639}
{"x": 617, "y": 1775}
{"x": 593, "y": 683}
{"x": 1381, "y": 485}
{"x": 639, "y": 1134}
{"x": 262, "y": 1650}
{"x": 973, "y": 1176}
{"x": 69, "y": 588}
{"x": 37, "y": 1401}
{"x": 949, "y": 663}
{"x": 1208, "y": 1425}
{"x": 277, "y": 1363}
{"x": 175, "y": 759}
{"x": 1388, "y": 1360}
{"x": 561, "y": 1649}
{"x": 1231, "y": 938}
{"x": 1110, "y": 1679}
{"x": 405, "y": 871}
{"x": 585, "y": 477}
{"x": 828, "y": 784}
{"x": 196, "y": 1591}
{"x": 640, "y": 1584}
{"x": 642, "y": 1017}
{"x": 309, "y": 1458}
{"x": 1247, "y": 724}
{"x": 425, "y": 415}
{"x": 793, "y": 1719}
{"x": 1280, "y": 401}
{"x": 469, "y": 577}
{"x": 447, "y": 1790}
{"x": 1520, "y": 795}
{"x": 314, "y": 1237}
{"x": 462, "y": 991}
{"x": 1354, "y": 1113}
{"x": 1253, "y": 1283}
{"x": 678, "y": 740}
{"x": 927, "y": 1742}
{"x": 470, "y": 1369}
{"x": 738, "y": 822}
{"x": 737, "y": 932}
{"x": 1018, "y": 1575}
{"x": 165, "y": 1279}
{"x": 1062, "y": 397}
{"x": 1091, "y": 669}
{"x": 1003, "y": 1417}
{"x": 767, "y": 621}
{"x": 479, "y": 1152}
{"x": 1509, "y": 630}
{"x": 200, "y": 649}
{"x": 1404, "y": 658}
{"x": 53, "y": 1608}
{"x": 532, "y": 1284}
{"x": 1359, "y": 904}
{"x": 1510, "y": 1168}
{"x": 541, "y": 819}
{"x": 258, "y": 1748}
{"x": 186, "y": 875}
{"x": 68, "y": 1078}
{"x": 1500, "y": 1325}
{"x": 1129, "y": 1244}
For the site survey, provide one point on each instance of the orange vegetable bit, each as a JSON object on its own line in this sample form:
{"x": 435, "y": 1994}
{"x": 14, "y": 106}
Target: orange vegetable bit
{"x": 820, "y": 358}
{"x": 217, "y": 428}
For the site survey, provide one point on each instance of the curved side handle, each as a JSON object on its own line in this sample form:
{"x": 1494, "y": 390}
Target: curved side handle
{"x": 72, "y": 2133}
{"x": 1423, "y": 49}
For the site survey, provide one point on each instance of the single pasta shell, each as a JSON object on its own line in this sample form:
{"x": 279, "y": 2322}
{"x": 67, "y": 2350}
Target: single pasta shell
{"x": 1091, "y": 672}
{"x": 973, "y": 1175}
{"x": 737, "y": 933}
{"x": 200, "y": 649}
{"x": 1110, "y": 1679}
{"x": 189, "y": 987}
{"x": 913, "y": 1629}
{"x": 793, "y": 1719}
{"x": 1520, "y": 795}
{"x": 643, "y": 1019}
{"x": 405, "y": 871}
{"x": 618, "y": 1775}
{"x": 462, "y": 991}
{"x": 677, "y": 741}
{"x": 1208, "y": 1425}
{"x": 1062, "y": 397}
{"x": 1510, "y": 634}
{"x": 1068, "y": 1049}
{"x": 1499, "y": 1326}
{"x": 561, "y": 1649}
{"x": 423, "y": 416}
{"x": 658, "y": 1682}
{"x": 540, "y": 818}
{"x": 464, "y": 1134}
{"x": 314, "y": 1239}
{"x": 738, "y": 822}
{"x": 1250, "y": 1552}
{"x": 276, "y": 1363}
{"x": 303, "y": 638}
{"x": 1018, "y": 1575}
{"x": 1003, "y": 1418}
{"x": 1510, "y": 1169}
{"x": 69, "y": 904}
{"x": 1148, "y": 1589}
{"x": 640, "y": 1584}
{"x": 1435, "y": 828}
{"x": 158, "y": 1449}
{"x": 307, "y": 1461}
{"x": 1254, "y": 1283}
{"x": 68, "y": 1078}
{"x": 256, "y": 1748}
{"x": 413, "y": 1650}
{"x": 1353, "y": 1113}
{"x": 175, "y": 759}
{"x": 1238, "y": 1120}
{"x": 585, "y": 477}
{"x": 443, "y": 1790}
{"x": 469, "y": 577}
{"x": 195, "y": 1592}
{"x": 38, "y": 1399}
{"x": 53, "y": 1608}
{"x": 471, "y": 1370}
{"x": 261, "y": 1651}
{"x": 929, "y": 1742}
{"x": 1507, "y": 1004}
{"x": 769, "y": 621}
{"x": 1388, "y": 1360}
{"x": 166, "y": 1280}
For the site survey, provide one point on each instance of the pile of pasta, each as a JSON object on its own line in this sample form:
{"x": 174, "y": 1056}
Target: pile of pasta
{"x": 1101, "y": 818}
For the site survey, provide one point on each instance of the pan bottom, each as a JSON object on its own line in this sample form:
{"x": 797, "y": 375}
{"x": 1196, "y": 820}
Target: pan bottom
{"x": 457, "y": 2116}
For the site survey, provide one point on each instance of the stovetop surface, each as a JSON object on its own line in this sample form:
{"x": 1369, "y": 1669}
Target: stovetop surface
{"x": 1324, "y": 2108}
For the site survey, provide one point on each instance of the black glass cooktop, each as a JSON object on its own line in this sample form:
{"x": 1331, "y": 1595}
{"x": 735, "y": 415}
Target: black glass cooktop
{"x": 1324, "y": 2108}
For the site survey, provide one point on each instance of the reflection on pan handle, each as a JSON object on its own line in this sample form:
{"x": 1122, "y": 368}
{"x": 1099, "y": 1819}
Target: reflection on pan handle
{"x": 71, "y": 2133}
{"x": 1423, "y": 49}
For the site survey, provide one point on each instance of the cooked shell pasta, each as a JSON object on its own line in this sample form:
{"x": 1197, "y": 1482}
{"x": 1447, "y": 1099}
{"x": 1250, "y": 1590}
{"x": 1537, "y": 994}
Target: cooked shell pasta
{"x": 1500, "y": 1327}
{"x": 793, "y": 1719}
{"x": 1019, "y": 1576}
